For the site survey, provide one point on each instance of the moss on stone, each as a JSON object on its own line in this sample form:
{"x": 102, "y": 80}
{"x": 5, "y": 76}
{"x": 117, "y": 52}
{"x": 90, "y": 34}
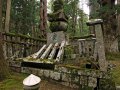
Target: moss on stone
{"x": 69, "y": 50}
{"x": 23, "y": 36}
{"x": 57, "y": 5}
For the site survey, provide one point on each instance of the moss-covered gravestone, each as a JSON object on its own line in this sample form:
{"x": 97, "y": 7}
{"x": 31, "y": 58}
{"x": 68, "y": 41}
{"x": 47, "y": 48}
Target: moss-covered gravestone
{"x": 58, "y": 19}
{"x": 58, "y": 23}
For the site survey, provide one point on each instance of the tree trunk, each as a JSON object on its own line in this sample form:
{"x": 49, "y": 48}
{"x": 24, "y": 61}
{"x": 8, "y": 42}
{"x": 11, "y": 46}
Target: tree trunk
{"x": 110, "y": 27}
{"x": 118, "y": 20}
{"x": 45, "y": 14}
{"x": 43, "y": 17}
{"x": 94, "y": 6}
{"x": 7, "y": 16}
{"x": 0, "y": 15}
{"x": 74, "y": 16}
{"x": 4, "y": 71}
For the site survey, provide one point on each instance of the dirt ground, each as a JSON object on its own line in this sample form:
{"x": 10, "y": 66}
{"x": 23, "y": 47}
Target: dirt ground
{"x": 46, "y": 85}
{"x": 15, "y": 82}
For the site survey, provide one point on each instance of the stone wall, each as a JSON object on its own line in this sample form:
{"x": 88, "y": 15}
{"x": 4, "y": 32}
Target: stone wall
{"x": 65, "y": 75}
{"x": 68, "y": 76}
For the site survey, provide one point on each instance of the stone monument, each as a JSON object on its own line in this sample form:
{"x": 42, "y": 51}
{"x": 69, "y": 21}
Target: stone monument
{"x": 58, "y": 23}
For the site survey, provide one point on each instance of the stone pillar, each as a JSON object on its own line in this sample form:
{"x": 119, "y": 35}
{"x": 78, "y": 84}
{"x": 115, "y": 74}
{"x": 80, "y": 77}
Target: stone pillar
{"x": 100, "y": 43}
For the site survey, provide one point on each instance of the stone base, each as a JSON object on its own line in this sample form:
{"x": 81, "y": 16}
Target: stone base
{"x": 67, "y": 76}
{"x": 55, "y": 37}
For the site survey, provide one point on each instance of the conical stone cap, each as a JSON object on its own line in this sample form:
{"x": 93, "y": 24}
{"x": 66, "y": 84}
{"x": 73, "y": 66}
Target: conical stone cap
{"x": 31, "y": 80}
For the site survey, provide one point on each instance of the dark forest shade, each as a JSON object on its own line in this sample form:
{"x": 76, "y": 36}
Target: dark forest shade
{"x": 38, "y": 65}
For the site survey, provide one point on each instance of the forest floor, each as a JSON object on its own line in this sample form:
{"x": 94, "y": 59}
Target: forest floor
{"x": 114, "y": 60}
{"x": 16, "y": 79}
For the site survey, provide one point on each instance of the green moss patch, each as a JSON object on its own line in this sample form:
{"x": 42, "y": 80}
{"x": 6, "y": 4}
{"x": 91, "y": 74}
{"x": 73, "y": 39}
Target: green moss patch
{"x": 113, "y": 56}
{"x": 13, "y": 83}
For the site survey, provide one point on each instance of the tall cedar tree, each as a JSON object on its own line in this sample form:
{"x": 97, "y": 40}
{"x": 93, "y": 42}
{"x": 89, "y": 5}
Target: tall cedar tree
{"x": 4, "y": 71}
{"x": 110, "y": 25}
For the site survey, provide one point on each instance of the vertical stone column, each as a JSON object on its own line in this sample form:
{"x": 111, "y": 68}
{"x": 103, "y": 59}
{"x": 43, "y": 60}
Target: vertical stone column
{"x": 100, "y": 43}
{"x": 101, "y": 48}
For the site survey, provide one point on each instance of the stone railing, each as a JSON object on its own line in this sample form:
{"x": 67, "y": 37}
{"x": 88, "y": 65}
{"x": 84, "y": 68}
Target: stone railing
{"x": 85, "y": 46}
{"x": 16, "y": 45}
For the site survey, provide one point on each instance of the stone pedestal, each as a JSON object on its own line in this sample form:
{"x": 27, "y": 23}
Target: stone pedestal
{"x": 55, "y": 37}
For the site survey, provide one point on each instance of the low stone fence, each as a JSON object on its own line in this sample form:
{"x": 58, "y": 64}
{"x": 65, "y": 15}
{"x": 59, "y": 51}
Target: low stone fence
{"x": 17, "y": 45}
{"x": 74, "y": 78}
{"x": 65, "y": 75}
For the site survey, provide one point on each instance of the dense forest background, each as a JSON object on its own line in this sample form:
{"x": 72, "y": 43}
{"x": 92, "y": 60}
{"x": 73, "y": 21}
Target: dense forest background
{"x": 25, "y": 17}
{"x": 29, "y": 17}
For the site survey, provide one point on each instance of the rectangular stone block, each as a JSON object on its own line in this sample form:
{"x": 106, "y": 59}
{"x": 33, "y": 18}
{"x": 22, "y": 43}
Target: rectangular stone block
{"x": 75, "y": 79}
{"x": 55, "y": 75}
{"x": 24, "y": 69}
{"x": 55, "y": 37}
{"x": 63, "y": 69}
{"x": 15, "y": 64}
{"x": 66, "y": 77}
{"x": 84, "y": 80}
{"x": 46, "y": 73}
{"x": 40, "y": 72}
{"x": 92, "y": 82}
{"x": 34, "y": 71}
{"x": 52, "y": 74}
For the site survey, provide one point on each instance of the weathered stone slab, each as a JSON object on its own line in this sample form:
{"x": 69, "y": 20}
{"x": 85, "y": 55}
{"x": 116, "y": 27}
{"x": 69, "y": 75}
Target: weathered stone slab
{"x": 63, "y": 69}
{"x": 34, "y": 71}
{"x": 55, "y": 37}
{"x": 86, "y": 47}
{"x": 15, "y": 64}
{"x": 92, "y": 82}
{"x": 66, "y": 77}
{"x": 55, "y": 75}
{"x": 75, "y": 79}
{"x": 46, "y": 73}
{"x": 25, "y": 70}
{"x": 40, "y": 73}
{"x": 83, "y": 80}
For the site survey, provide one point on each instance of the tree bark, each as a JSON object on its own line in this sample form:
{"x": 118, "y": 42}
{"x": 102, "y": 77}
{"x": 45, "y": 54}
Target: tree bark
{"x": 0, "y": 15}
{"x": 43, "y": 17}
{"x": 4, "y": 71}
{"x": 118, "y": 21}
{"x": 110, "y": 27}
{"x": 94, "y": 6}
{"x": 7, "y": 21}
{"x": 74, "y": 16}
